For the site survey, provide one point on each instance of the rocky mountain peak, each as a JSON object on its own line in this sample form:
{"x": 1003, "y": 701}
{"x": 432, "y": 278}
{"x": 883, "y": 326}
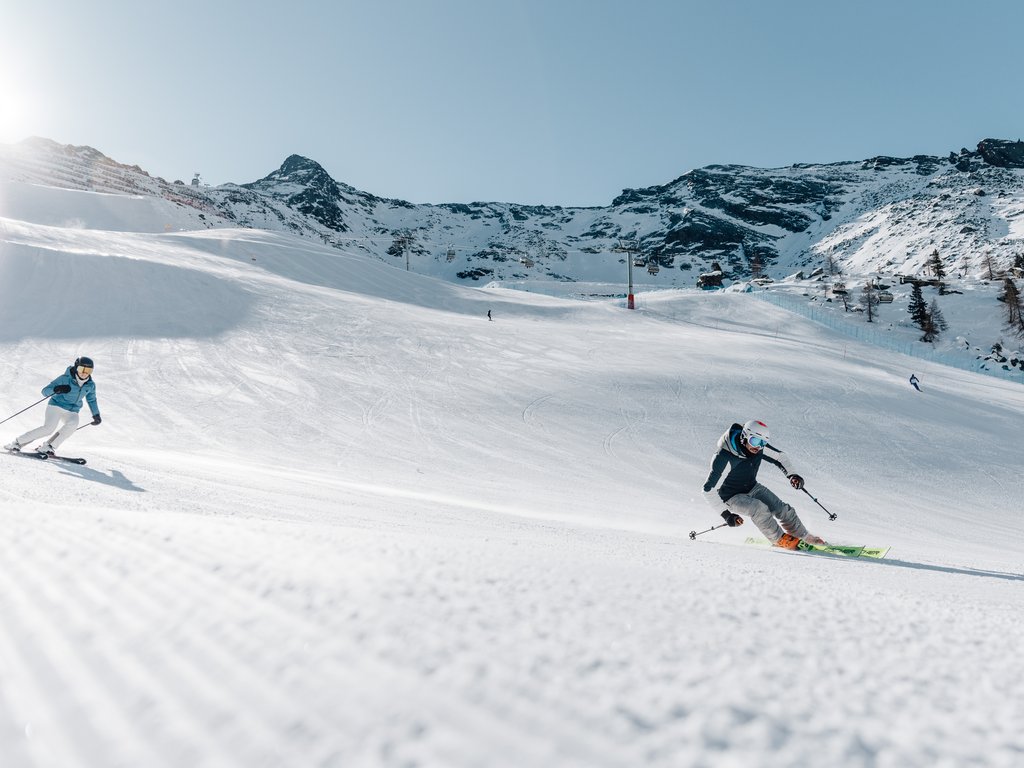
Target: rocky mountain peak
{"x": 299, "y": 170}
{"x": 1001, "y": 153}
{"x": 305, "y": 186}
{"x": 879, "y": 214}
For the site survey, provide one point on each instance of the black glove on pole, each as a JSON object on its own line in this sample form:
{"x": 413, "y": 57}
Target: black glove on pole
{"x": 731, "y": 519}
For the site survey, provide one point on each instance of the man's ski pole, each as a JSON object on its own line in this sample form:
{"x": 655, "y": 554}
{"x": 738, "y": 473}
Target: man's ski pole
{"x": 831, "y": 515}
{"x": 695, "y": 534}
{"x": 37, "y": 402}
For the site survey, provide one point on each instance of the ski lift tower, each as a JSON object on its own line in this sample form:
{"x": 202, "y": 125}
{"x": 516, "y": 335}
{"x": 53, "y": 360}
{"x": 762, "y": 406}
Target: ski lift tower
{"x": 628, "y": 248}
{"x": 405, "y": 243}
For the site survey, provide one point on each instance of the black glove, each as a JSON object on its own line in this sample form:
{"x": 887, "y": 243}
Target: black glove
{"x": 96, "y": 419}
{"x": 732, "y": 520}
{"x": 60, "y": 389}
{"x": 796, "y": 481}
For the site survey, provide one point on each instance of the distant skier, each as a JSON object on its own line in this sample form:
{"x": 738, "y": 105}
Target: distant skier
{"x": 914, "y": 382}
{"x": 488, "y": 314}
{"x": 66, "y": 394}
{"x": 733, "y": 482}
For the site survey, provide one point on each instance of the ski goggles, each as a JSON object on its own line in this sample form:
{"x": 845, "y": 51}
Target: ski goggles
{"x": 84, "y": 371}
{"x": 756, "y": 441}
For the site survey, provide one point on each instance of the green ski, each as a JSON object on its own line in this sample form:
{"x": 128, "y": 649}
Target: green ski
{"x": 844, "y": 550}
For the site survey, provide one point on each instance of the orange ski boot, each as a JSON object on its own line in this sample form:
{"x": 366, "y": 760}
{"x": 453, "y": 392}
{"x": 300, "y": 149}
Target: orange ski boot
{"x": 788, "y": 541}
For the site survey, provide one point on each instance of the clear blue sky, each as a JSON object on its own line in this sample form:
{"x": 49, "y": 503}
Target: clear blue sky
{"x": 561, "y": 102}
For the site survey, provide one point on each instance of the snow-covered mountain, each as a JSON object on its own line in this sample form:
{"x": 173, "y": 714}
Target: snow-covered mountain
{"x": 336, "y": 517}
{"x": 811, "y": 226}
{"x": 881, "y": 215}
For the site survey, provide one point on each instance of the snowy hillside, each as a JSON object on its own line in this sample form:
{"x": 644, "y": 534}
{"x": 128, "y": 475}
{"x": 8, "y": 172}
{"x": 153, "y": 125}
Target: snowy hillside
{"x": 877, "y": 221}
{"x": 881, "y": 215}
{"x": 334, "y": 516}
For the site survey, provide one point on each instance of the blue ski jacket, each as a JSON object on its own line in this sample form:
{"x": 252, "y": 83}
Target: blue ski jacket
{"x": 72, "y": 401}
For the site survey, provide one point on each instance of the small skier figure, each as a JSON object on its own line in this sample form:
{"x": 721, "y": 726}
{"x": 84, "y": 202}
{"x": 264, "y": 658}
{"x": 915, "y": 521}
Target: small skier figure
{"x": 914, "y": 382}
{"x": 488, "y": 314}
{"x": 733, "y": 482}
{"x": 66, "y": 394}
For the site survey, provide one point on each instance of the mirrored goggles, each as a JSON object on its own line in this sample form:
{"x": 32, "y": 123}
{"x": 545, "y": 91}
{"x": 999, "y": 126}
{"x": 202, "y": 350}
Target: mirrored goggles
{"x": 756, "y": 441}
{"x": 84, "y": 372}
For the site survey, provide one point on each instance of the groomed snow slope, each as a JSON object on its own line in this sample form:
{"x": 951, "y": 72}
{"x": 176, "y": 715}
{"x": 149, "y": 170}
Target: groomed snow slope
{"x": 335, "y": 517}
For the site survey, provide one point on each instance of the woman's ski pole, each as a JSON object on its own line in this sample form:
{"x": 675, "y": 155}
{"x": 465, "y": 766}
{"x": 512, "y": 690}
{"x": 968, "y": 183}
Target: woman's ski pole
{"x": 37, "y": 402}
{"x": 55, "y": 434}
{"x": 695, "y": 534}
{"x": 831, "y": 515}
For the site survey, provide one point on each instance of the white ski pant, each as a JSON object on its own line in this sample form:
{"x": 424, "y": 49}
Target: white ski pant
{"x": 767, "y": 510}
{"x": 62, "y": 422}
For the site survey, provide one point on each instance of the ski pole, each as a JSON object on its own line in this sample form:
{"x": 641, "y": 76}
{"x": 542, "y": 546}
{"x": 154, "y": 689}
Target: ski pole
{"x": 831, "y": 515}
{"x": 37, "y": 402}
{"x": 695, "y": 534}
{"x": 55, "y": 434}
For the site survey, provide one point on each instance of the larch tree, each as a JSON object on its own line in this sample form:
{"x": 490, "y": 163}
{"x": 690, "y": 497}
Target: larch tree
{"x": 869, "y": 299}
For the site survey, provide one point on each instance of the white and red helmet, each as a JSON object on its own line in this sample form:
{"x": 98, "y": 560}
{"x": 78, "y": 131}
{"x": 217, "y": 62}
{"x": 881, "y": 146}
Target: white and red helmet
{"x": 755, "y": 434}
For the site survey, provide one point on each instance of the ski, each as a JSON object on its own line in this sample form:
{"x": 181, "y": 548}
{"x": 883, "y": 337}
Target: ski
{"x": 47, "y": 457}
{"x": 844, "y": 550}
{"x": 29, "y": 454}
{"x": 68, "y": 459}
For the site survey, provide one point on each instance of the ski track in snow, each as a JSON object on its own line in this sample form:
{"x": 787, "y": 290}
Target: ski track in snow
{"x": 338, "y": 518}
{"x": 188, "y": 638}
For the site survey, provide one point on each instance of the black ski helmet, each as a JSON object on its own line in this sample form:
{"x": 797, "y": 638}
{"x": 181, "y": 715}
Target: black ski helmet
{"x": 83, "y": 361}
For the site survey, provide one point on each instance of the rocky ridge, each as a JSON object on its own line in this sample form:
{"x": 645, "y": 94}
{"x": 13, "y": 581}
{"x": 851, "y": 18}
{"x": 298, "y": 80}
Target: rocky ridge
{"x": 883, "y": 214}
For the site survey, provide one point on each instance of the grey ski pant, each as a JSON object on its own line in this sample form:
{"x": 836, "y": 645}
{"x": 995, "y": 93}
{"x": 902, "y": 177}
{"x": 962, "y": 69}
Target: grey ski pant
{"x": 765, "y": 508}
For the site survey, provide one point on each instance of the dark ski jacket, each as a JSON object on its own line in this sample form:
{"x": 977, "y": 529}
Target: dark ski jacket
{"x": 734, "y": 468}
{"x": 72, "y": 401}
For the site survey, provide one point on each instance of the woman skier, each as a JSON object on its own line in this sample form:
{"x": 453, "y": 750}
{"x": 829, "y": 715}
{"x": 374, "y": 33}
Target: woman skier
{"x": 733, "y": 482}
{"x": 66, "y": 394}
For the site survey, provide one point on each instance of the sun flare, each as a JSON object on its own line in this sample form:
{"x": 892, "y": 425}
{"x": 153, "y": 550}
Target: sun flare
{"x": 16, "y": 113}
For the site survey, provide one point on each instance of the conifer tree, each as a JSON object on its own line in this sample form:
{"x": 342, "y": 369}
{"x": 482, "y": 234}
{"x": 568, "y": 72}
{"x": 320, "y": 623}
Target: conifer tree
{"x": 1014, "y": 306}
{"x": 935, "y": 315}
{"x": 930, "y": 331}
{"x": 917, "y": 307}
{"x": 934, "y": 265}
{"x": 934, "y": 323}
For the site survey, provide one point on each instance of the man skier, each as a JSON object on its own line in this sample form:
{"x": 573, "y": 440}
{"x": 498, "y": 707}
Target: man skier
{"x": 733, "y": 482}
{"x": 66, "y": 393}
